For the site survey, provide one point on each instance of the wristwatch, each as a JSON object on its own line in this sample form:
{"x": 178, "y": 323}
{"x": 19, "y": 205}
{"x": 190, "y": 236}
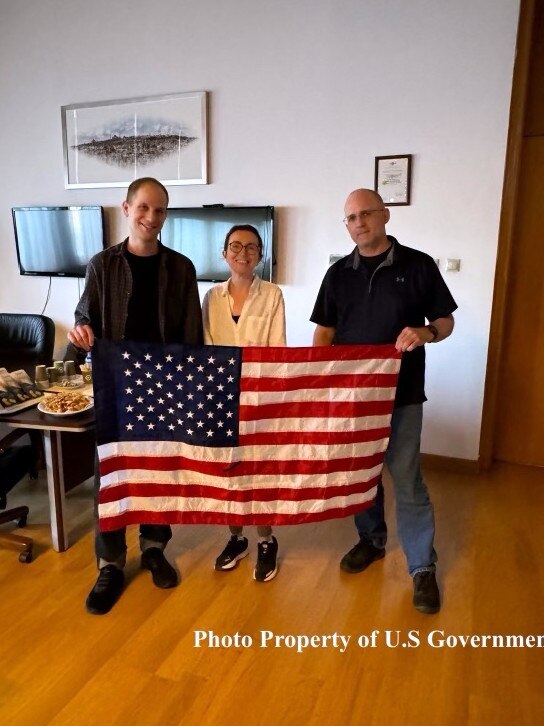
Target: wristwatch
{"x": 434, "y": 330}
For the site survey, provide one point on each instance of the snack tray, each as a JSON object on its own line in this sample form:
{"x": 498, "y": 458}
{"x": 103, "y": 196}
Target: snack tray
{"x": 20, "y": 406}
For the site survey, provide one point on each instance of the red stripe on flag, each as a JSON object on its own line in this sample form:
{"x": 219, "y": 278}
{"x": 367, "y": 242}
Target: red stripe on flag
{"x": 345, "y": 380}
{"x": 239, "y": 468}
{"x": 316, "y": 409}
{"x": 313, "y": 437}
{"x": 320, "y": 353}
{"x": 202, "y": 491}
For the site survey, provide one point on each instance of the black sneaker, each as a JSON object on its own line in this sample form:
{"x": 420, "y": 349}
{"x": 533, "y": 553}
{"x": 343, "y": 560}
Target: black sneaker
{"x": 162, "y": 572}
{"x": 426, "y": 595}
{"x": 106, "y": 591}
{"x": 361, "y": 556}
{"x": 235, "y": 551}
{"x": 266, "y": 567}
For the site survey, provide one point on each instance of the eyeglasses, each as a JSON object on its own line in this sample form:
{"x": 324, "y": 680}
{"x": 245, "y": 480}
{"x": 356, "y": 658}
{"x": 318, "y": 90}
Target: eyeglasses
{"x": 364, "y": 214}
{"x": 250, "y": 248}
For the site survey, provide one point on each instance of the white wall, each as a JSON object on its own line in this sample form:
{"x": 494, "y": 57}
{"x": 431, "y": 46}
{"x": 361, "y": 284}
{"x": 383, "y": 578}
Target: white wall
{"x": 303, "y": 97}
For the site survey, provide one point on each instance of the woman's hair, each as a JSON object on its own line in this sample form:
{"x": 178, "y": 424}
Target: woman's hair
{"x": 244, "y": 228}
{"x": 137, "y": 183}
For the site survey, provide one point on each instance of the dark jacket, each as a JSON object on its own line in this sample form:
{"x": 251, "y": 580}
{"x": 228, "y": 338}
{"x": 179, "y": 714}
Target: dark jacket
{"x": 108, "y": 286}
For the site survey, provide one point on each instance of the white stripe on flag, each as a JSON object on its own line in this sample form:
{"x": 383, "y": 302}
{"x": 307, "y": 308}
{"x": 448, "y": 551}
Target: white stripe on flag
{"x": 230, "y": 454}
{"x": 254, "y": 398}
{"x": 320, "y": 368}
{"x": 239, "y": 483}
{"x": 333, "y": 425}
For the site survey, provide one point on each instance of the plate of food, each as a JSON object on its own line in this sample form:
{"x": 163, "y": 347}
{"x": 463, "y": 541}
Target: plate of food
{"x": 65, "y": 404}
{"x": 68, "y": 384}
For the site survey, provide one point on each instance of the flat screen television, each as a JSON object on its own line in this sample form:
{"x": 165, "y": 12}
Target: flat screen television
{"x": 199, "y": 233}
{"x": 57, "y": 241}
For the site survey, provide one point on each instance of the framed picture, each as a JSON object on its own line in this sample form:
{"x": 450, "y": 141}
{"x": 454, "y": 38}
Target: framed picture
{"x": 392, "y": 179}
{"x": 111, "y": 143}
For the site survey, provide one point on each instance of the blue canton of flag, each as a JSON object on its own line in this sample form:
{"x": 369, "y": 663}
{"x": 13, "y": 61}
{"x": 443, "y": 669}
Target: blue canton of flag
{"x": 182, "y": 393}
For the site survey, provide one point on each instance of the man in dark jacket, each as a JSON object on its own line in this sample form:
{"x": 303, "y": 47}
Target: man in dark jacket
{"x": 138, "y": 290}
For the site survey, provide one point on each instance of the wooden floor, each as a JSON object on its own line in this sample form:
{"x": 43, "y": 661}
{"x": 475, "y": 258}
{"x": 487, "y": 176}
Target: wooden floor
{"x": 139, "y": 664}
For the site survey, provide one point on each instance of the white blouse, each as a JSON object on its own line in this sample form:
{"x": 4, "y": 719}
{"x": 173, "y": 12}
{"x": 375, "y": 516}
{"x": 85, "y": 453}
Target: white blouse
{"x": 261, "y": 322}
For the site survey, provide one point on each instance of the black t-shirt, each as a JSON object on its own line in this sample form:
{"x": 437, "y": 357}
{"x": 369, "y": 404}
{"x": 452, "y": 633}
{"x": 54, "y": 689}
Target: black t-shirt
{"x": 372, "y": 262}
{"x": 143, "y": 308}
{"x": 368, "y": 307}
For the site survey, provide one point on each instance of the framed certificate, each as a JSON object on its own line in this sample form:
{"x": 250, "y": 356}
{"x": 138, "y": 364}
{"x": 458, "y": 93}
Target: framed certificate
{"x": 392, "y": 179}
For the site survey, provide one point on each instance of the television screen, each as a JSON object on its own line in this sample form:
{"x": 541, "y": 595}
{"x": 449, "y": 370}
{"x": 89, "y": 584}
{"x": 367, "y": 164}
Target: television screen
{"x": 199, "y": 233}
{"x": 57, "y": 241}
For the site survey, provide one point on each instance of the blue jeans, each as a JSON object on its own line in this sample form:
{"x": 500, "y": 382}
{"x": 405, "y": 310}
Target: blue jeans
{"x": 415, "y": 516}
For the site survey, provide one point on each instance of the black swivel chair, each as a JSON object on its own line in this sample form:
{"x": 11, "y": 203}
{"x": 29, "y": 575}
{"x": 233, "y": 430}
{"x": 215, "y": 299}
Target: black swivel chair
{"x": 15, "y": 463}
{"x": 25, "y": 342}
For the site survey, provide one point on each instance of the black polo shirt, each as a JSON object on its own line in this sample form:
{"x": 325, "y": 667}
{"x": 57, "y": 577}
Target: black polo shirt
{"x": 368, "y": 307}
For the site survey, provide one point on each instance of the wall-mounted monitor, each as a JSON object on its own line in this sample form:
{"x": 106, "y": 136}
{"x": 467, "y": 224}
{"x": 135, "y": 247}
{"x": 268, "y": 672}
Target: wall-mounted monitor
{"x": 199, "y": 233}
{"x": 57, "y": 241}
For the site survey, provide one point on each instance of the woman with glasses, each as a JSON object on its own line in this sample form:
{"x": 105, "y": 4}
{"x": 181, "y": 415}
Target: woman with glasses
{"x": 245, "y": 310}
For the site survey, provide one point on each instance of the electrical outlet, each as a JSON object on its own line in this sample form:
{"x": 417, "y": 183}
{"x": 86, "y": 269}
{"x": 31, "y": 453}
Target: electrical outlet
{"x": 452, "y": 264}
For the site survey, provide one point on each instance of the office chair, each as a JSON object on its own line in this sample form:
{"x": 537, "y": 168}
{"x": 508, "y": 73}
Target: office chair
{"x": 15, "y": 463}
{"x": 25, "y": 341}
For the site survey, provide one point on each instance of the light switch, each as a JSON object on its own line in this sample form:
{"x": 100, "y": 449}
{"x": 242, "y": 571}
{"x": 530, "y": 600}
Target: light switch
{"x": 334, "y": 258}
{"x": 452, "y": 264}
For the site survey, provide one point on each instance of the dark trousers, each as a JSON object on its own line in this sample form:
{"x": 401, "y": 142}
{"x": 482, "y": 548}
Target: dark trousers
{"x": 112, "y": 546}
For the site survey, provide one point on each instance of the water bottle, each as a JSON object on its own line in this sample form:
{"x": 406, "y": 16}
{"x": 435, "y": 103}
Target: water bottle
{"x": 87, "y": 369}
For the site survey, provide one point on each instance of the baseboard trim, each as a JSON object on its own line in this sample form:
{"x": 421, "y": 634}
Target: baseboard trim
{"x": 449, "y": 463}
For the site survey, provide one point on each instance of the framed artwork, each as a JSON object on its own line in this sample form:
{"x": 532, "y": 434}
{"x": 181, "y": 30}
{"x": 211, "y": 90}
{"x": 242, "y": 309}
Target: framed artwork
{"x": 392, "y": 179}
{"x": 111, "y": 143}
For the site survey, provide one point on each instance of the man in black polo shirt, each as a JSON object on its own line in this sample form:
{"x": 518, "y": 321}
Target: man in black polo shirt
{"x": 137, "y": 290}
{"x": 382, "y": 293}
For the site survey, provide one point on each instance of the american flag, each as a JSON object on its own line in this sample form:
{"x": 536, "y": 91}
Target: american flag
{"x": 228, "y": 435}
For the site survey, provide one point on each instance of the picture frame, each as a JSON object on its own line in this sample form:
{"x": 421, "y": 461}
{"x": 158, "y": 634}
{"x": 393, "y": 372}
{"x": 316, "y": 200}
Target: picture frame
{"x": 393, "y": 179}
{"x": 111, "y": 143}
